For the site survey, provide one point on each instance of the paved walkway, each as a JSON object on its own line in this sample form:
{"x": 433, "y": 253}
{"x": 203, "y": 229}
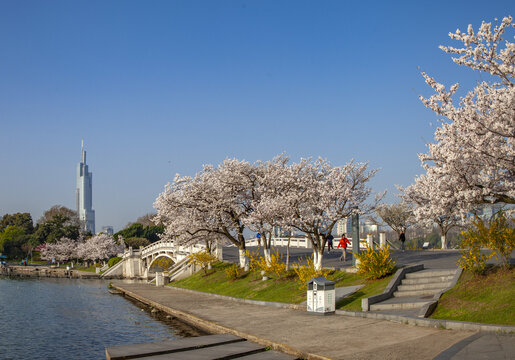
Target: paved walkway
{"x": 300, "y": 333}
{"x": 432, "y": 259}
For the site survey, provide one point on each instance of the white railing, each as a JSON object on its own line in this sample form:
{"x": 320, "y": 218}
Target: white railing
{"x": 169, "y": 245}
{"x": 301, "y": 242}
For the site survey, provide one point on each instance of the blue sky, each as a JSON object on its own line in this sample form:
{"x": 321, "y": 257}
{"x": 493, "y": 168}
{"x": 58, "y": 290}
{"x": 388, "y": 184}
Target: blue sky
{"x": 161, "y": 87}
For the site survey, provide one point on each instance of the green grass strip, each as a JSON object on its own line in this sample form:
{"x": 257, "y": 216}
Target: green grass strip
{"x": 486, "y": 298}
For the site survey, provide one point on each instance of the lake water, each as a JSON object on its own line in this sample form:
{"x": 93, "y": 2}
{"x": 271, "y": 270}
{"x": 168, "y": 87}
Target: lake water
{"x": 74, "y": 319}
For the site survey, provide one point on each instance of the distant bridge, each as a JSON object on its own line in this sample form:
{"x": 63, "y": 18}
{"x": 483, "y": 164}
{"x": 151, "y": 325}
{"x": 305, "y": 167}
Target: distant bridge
{"x": 136, "y": 263}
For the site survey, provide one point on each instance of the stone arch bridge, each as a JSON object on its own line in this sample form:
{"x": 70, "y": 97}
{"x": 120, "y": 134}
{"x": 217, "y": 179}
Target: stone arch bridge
{"x": 136, "y": 263}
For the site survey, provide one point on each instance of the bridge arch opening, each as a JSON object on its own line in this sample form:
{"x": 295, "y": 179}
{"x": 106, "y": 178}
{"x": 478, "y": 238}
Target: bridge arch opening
{"x": 161, "y": 262}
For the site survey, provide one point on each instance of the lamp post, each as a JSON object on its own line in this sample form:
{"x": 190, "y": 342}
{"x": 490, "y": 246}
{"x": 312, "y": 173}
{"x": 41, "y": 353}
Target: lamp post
{"x": 355, "y": 236}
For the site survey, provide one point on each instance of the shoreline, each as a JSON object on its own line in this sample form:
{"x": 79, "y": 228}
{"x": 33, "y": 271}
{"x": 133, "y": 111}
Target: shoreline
{"x": 44, "y": 271}
{"x": 291, "y": 331}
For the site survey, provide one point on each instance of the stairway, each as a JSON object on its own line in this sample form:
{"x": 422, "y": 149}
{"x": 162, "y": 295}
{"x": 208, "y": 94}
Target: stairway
{"x": 416, "y": 290}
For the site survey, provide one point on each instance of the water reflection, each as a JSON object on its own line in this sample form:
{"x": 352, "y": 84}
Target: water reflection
{"x": 74, "y": 319}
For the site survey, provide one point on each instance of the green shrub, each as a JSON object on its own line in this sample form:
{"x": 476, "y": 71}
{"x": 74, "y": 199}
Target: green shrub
{"x": 375, "y": 264}
{"x": 114, "y": 260}
{"x": 137, "y": 242}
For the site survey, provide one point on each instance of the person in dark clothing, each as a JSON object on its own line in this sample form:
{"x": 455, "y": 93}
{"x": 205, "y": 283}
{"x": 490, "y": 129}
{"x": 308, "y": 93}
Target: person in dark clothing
{"x": 330, "y": 243}
{"x": 402, "y": 239}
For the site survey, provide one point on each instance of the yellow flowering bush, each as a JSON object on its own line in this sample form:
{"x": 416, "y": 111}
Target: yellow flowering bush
{"x": 232, "y": 272}
{"x": 275, "y": 266}
{"x": 307, "y": 272}
{"x": 202, "y": 259}
{"x": 498, "y": 235}
{"x": 375, "y": 264}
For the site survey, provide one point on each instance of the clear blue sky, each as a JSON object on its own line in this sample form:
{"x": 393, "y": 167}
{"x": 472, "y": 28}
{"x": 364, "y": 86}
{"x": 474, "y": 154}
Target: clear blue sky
{"x": 161, "y": 87}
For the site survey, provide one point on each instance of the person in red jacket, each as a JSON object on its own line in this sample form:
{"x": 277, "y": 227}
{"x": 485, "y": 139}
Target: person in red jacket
{"x": 343, "y": 243}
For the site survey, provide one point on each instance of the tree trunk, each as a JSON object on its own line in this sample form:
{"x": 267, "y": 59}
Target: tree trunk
{"x": 317, "y": 258}
{"x": 288, "y": 254}
{"x": 266, "y": 253}
{"x": 244, "y": 261}
{"x": 444, "y": 242}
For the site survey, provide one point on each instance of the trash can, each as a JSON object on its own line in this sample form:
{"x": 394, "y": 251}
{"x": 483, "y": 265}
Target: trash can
{"x": 321, "y": 296}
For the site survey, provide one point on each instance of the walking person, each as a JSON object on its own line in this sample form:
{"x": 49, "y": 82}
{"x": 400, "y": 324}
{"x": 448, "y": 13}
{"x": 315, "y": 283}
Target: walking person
{"x": 402, "y": 239}
{"x": 343, "y": 244}
{"x": 330, "y": 243}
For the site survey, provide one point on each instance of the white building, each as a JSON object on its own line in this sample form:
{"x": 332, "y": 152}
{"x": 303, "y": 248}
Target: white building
{"x": 344, "y": 226}
{"x": 83, "y": 194}
{"x": 108, "y": 229}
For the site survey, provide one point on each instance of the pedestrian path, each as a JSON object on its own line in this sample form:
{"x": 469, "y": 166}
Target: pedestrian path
{"x": 297, "y": 332}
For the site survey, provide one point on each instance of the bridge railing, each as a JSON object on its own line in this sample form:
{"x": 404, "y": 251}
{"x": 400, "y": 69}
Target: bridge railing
{"x": 162, "y": 245}
{"x": 301, "y": 242}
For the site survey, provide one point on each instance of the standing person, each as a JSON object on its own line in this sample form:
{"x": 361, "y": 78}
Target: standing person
{"x": 402, "y": 239}
{"x": 330, "y": 243}
{"x": 343, "y": 243}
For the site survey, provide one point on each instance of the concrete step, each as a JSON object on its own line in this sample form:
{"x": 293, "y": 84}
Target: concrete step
{"x": 427, "y": 280}
{"x": 398, "y": 294}
{"x": 426, "y": 286}
{"x": 398, "y": 305}
{"x": 430, "y": 273}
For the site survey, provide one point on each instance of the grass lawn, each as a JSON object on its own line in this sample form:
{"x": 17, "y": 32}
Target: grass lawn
{"x": 91, "y": 268}
{"x": 486, "y": 298}
{"x": 250, "y": 286}
{"x": 372, "y": 287}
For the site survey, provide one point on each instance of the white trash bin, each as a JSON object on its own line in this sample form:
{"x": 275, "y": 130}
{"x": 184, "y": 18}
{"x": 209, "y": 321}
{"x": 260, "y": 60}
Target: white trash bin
{"x": 321, "y": 296}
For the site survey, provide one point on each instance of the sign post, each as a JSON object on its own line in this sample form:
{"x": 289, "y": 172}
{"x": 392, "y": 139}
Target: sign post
{"x": 355, "y": 237}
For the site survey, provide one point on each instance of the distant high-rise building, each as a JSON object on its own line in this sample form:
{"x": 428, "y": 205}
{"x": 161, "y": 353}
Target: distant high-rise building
{"x": 83, "y": 194}
{"x": 344, "y": 226}
{"x": 107, "y": 230}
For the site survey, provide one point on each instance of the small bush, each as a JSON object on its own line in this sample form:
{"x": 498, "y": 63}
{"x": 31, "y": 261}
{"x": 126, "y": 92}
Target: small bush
{"x": 232, "y": 272}
{"x": 114, "y": 260}
{"x": 498, "y": 235}
{"x": 307, "y": 272}
{"x": 275, "y": 266}
{"x": 471, "y": 257}
{"x": 375, "y": 264}
{"x": 203, "y": 259}
{"x": 137, "y": 242}
{"x": 253, "y": 260}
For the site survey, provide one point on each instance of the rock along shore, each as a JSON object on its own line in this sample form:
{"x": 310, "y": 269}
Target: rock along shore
{"x": 46, "y": 271}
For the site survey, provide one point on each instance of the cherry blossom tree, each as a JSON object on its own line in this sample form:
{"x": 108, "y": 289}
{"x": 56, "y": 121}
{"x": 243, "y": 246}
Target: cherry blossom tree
{"x": 432, "y": 208}
{"x": 474, "y": 149}
{"x": 316, "y": 195}
{"x": 98, "y": 247}
{"x": 213, "y": 204}
{"x": 397, "y": 216}
{"x": 63, "y": 250}
{"x": 268, "y": 183}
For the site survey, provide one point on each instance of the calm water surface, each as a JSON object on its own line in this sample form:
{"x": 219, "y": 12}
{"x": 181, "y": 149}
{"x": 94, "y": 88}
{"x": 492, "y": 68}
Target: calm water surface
{"x": 73, "y": 319}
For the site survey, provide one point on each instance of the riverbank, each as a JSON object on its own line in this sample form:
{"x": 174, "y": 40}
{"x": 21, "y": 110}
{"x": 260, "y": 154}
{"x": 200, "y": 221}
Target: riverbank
{"x": 46, "y": 271}
{"x": 297, "y": 332}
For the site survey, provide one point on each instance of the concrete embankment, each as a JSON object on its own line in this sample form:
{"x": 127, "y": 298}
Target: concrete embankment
{"x": 295, "y": 331}
{"x": 44, "y": 271}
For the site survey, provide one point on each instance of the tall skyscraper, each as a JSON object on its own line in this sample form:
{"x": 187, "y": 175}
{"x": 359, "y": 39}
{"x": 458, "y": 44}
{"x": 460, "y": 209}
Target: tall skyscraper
{"x": 83, "y": 194}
